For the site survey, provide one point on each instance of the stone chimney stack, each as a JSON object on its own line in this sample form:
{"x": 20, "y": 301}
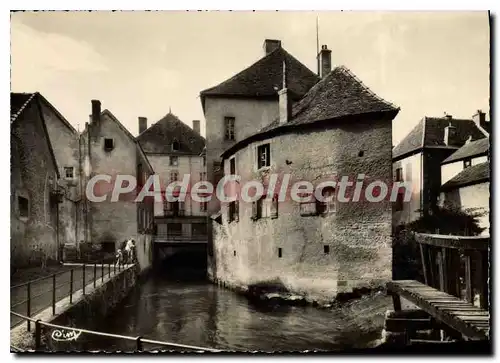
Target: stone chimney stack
{"x": 143, "y": 124}
{"x": 450, "y": 134}
{"x": 285, "y": 103}
{"x": 96, "y": 111}
{"x": 270, "y": 45}
{"x": 479, "y": 119}
{"x": 324, "y": 61}
{"x": 196, "y": 126}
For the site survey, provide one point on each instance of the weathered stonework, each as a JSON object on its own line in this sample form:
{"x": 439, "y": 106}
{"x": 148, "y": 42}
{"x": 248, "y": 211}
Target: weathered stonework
{"x": 33, "y": 175}
{"x": 358, "y": 234}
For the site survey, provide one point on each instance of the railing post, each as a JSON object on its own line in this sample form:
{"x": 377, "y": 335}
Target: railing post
{"x": 114, "y": 269}
{"x": 469, "y": 295}
{"x": 71, "y": 286}
{"x": 102, "y": 271}
{"x": 109, "y": 270}
{"x": 28, "y": 308}
{"x": 83, "y": 279}
{"x": 54, "y": 294}
{"x": 38, "y": 334}
{"x": 139, "y": 344}
{"x": 95, "y": 273}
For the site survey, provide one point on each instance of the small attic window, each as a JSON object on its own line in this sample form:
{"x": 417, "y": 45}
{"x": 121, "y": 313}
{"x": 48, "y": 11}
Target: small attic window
{"x": 175, "y": 145}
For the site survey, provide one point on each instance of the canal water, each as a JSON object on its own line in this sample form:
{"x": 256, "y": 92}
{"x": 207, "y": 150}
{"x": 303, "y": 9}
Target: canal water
{"x": 201, "y": 314}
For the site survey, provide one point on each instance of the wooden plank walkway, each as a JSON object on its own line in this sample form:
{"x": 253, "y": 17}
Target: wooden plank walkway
{"x": 472, "y": 322}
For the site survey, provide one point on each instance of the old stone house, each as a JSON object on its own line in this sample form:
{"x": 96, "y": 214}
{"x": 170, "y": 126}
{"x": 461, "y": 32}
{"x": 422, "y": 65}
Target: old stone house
{"x": 108, "y": 148}
{"x": 337, "y": 128}
{"x": 417, "y": 160}
{"x": 174, "y": 151}
{"x": 35, "y": 195}
{"x": 246, "y": 102}
{"x": 466, "y": 180}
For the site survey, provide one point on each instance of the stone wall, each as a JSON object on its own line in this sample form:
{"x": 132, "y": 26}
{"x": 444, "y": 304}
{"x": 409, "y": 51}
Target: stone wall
{"x": 34, "y": 236}
{"x": 358, "y": 234}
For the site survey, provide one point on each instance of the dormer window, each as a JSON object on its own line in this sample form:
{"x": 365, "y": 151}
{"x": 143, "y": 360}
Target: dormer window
{"x": 175, "y": 145}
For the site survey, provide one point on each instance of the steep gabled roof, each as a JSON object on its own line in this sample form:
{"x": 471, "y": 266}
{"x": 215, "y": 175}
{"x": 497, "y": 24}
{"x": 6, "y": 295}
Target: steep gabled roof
{"x": 340, "y": 94}
{"x": 19, "y": 102}
{"x": 264, "y": 78}
{"x": 429, "y": 132}
{"x": 476, "y": 148}
{"x": 474, "y": 174}
{"x": 131, "y": 137}
{"x": 158, "y": 138}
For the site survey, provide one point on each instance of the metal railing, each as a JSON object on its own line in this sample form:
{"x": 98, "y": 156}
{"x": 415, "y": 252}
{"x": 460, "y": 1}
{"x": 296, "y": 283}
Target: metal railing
{"x": 36, "y": 291}
{"x": 139, "y": 341}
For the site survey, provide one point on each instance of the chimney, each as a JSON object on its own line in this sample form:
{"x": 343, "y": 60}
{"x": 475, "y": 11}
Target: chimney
{"x": 450, "y": 134}
{"x": 270, "y": 45}
{"x": 285, "y": 103}
{"x": 480, "y": 120}
{"x": 96, "y": 111}
{"x": 143, "y": 124}
{"x": 196, "y": 126}
{"x": 324, "y": 61}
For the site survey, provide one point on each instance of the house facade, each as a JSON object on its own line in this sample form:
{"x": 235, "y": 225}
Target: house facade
{"x": 175, "y": 153}
{"x": 466, "y": 180}
{"x": 417, "y": 160}
{"x": 109, "y": 149}
{"x": 338, "y": 128}
{"x": 35, "y": 195}
{"x": 246, "y": 103}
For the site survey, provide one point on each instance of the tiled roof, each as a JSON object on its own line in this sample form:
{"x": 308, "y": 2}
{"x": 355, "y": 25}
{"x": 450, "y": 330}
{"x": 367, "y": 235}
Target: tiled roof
{"x": 472, "y": 175}
{"x": 474, "y": 148}
{"x": 265, "y": 77}
{"x": 158, "y": 138}
{"x": 429, "y": 132}
{"x": 337, "y": 95}
{"x": 18, "y": 102}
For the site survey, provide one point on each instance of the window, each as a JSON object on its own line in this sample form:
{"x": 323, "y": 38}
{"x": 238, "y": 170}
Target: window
{"x": 204, "y": 161}
{"x": 174, "y": 176}
{"x": 263, "y": 156}
{"x": 174, "y": 161}
{"x": 399, "y": 174}
{"x": 233, "y": 212}
{"x": 398, "y": 206}
{"x": 265, "y": 208}
{"x": 280, "y": 252}
{"x": 175, "y": 145}
{"x": 309, "y": 208}
{"x": 203, "y": 176}
{"x": 203, "y": 206}
{"x": 234, "y": 253}
{"x": 109, "y": 144}
{"x": 467, "y": 163}
{"x": 68, "y": 172}
{"x": 23, "y": 205}
{"x": 199, "y": 229}
{"x": 229, "y": 128}
{"x": 174, "y": 229}
{"x": 232, "y": 166}
{"x": 328, "y": 205}
{"x": 326, "y": 249}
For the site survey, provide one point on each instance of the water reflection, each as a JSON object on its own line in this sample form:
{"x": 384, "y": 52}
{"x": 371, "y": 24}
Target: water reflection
{"x": 201, "y": 314}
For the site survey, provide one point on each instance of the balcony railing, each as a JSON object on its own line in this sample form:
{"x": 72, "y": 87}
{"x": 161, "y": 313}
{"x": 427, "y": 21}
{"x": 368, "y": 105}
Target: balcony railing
{"x": 172, "y": 238}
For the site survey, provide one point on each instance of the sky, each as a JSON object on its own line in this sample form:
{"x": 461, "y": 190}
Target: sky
{"x": 147, "y": 63}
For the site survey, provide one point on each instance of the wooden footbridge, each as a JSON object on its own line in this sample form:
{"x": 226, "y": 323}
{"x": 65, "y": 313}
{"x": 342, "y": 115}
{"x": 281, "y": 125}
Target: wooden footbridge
{"x": 453, "y": 303}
